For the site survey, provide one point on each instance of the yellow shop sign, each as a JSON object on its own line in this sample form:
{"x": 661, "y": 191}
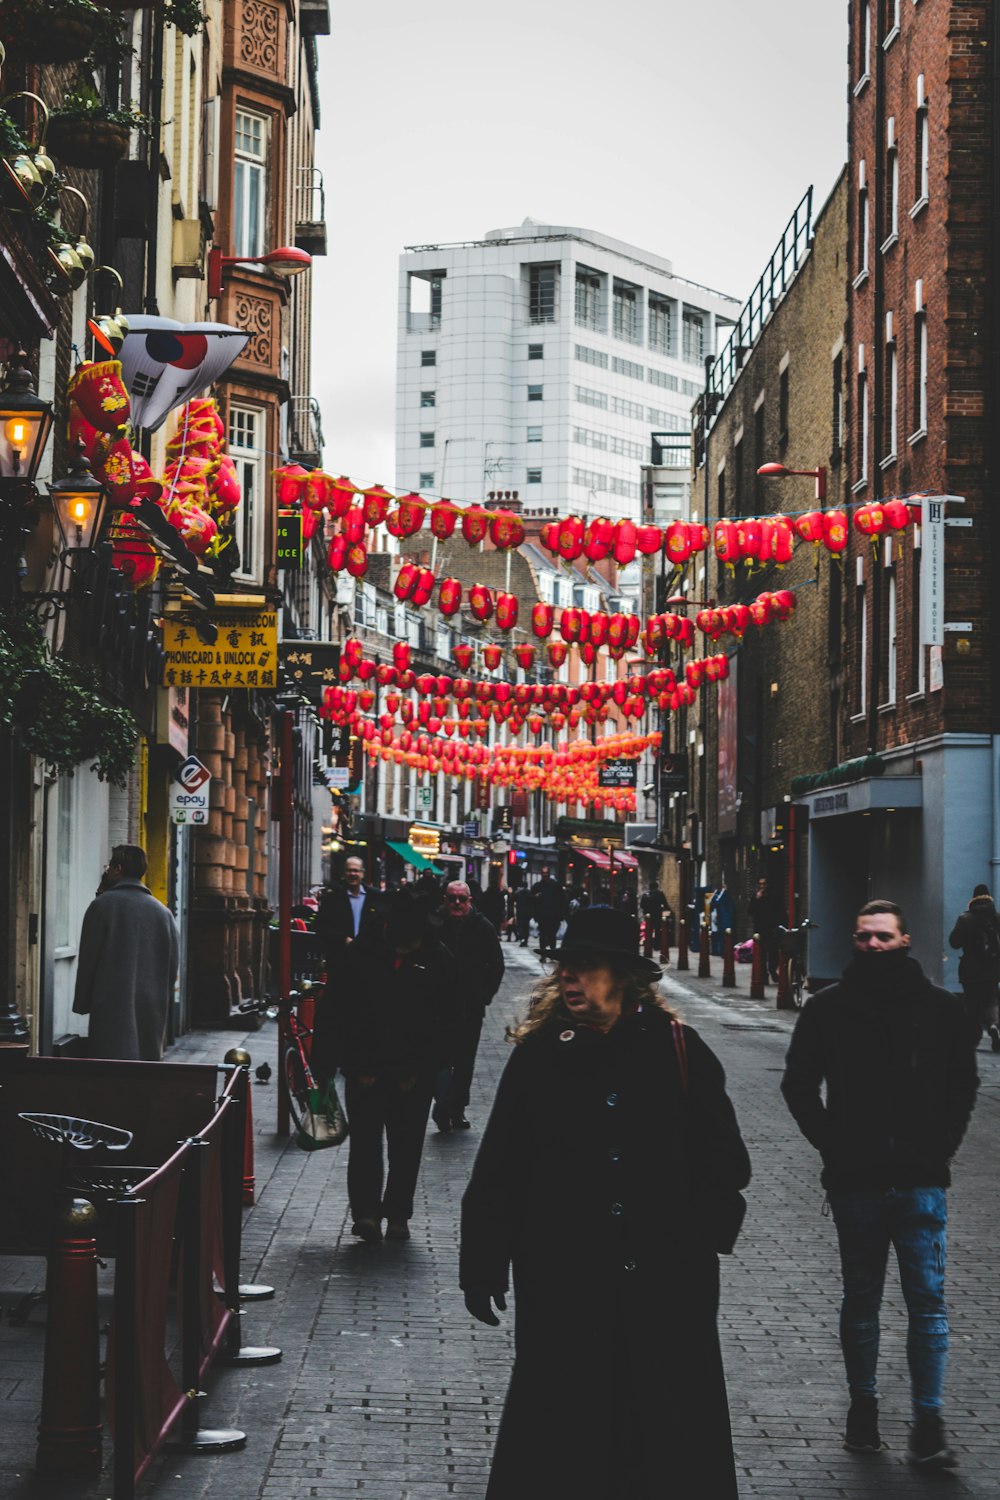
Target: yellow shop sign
{"x": 245, "y": 653}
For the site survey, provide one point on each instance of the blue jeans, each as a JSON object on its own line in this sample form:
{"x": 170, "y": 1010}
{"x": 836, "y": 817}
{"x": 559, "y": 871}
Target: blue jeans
{"x": 914, "y": 1222}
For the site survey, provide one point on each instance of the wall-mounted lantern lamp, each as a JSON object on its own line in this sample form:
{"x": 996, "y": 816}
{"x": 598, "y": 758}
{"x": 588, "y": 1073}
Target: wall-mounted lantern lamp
{"x": 287, "y": 260}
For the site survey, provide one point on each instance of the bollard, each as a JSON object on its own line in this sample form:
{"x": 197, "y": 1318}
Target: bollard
{"x": 69, "y": 1432}
{"x": 239, "y": 1058}
{"x": 664, "y": 941}
{"x": 704, "y": 952}
{"x": 783, "y": 999}
{"x": 757, "y": 969}
{"x": 728, "y": 962}
{"x": 682, "y": 945}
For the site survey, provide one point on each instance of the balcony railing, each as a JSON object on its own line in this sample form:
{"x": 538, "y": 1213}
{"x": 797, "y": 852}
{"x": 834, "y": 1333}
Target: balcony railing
{"x": 310, "y": 211}
{"x": 305, "y": 432}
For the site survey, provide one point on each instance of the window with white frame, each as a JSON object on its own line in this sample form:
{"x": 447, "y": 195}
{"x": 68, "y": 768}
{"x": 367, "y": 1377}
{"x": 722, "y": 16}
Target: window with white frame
{"x": 887, "y": 666}
{"x": 862, "y": 421}
{"x": 864, "y": 224}
{"x": 891, "y": 187}
{"x": 660, "y": 323}
{"x": 534, "y": 434}
{"x": 693, "y": 328}
{"x": 860, "y": 695}
{"x": 922, "y": 148}
{"x": 891, "y": 22}
{"x": 916, "y": 639}
{"x": 251, "y": 136}
{"x": 919, "y": 362}
{"x": 626, "y": 317}
{"x": 587, "y": 299}
{"x": 891, "y": 387}
{"x": 543, "y": 284}
{"x": 865, "y": 45}
{"x": 246, "y": 448}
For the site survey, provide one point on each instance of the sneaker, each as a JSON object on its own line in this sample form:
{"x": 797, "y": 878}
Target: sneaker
{"x": 441, "y": 1118}
{"x": 459, "y": 1122}
{"x": 862, "y": 1434}
{"x": 995, "y": 1038}
{"x": 369, "y": 1230}
{"x": 397, "y": 1231}
{"x": 929, "y": 1445}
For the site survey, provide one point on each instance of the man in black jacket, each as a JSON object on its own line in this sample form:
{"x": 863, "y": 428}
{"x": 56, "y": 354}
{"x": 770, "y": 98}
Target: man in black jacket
{"x": 977, "y": 933}
{"x": 347, "y": 912}
{"x": 548, "y": 901}
{"x": 895, "y": 1055}
{"x": 473, "y": 943}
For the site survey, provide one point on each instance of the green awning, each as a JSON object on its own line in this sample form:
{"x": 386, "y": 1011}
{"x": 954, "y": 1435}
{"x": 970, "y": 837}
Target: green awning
{"x": 418, "y": 861}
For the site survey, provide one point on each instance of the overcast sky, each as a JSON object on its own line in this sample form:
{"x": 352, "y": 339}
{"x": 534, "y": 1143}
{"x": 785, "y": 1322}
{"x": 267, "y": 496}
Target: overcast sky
{"x": 689, "y": 130}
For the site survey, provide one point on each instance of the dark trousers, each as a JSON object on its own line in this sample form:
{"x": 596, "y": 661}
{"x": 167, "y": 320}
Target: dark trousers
{"x": 452, "y": 1085}
{"x": 383, "y": 1108}
{"x": 548, "y": 927}
{"x": 981, "y": 1006}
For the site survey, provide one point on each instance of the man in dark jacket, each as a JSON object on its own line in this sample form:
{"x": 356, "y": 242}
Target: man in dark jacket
{"x": 347, "y": 912}
{"x": 766, "y": 915}
{"x": 387, "y": 1020}
{"x": 472, "y": 941}
{"x": 127, "y": 964}
{"x": 977, "y": 933}
{"x": 548, "y": 908}
{"x": 896, "y": 1059}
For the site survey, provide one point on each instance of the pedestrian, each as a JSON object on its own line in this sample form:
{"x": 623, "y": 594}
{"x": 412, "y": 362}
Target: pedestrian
{"x": 491, "y": 904}
{"x": 548, "y": 909}
{"x": 766, "y": 915}
{"x": 127, "y": 963}
{"x": 387, "y": 1022}
{"x": 608, "y": 1177}
{"x": 473, "y": 943}
{"x": 523, "y": 908}
{"x": 977, "y": 933}
{"x": 653, "y": 903}
{"x": 346, "y": 912}
{"x": 894, "y": 1055}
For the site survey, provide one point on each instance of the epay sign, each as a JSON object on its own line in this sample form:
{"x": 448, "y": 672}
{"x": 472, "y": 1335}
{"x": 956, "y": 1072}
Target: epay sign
{"x": 189, "y": 792}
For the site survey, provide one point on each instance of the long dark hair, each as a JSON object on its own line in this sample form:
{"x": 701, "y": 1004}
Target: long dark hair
{"x": 545, "y": 1008}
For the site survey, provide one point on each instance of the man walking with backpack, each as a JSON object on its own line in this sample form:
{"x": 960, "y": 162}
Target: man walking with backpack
{"x": 977, "y": 933}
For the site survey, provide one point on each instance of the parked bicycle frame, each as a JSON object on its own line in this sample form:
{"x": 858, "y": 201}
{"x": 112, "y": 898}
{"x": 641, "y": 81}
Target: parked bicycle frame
{"x": 792, "y": 942}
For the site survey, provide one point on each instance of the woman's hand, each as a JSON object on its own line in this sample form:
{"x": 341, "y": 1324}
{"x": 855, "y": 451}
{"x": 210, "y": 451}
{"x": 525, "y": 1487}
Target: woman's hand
{"x": 480, "y": 1300}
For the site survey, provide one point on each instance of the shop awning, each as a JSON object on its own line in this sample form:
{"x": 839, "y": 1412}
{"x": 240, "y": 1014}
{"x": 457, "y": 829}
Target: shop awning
{"x": 597, "y": 857}
{"x": 418, "y": 861}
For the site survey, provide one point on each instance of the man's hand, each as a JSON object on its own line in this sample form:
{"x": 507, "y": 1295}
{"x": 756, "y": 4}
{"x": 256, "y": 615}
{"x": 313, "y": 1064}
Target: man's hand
{"x": 479, "y": 1300}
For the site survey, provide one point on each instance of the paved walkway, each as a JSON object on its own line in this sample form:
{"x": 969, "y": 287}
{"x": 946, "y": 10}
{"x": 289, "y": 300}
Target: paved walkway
{"x": 388, "y": 1390}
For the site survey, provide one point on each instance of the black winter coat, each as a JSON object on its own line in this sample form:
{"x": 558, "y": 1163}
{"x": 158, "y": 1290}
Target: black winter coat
{"x": 976, "y": 966}
{"x": 899, "y": 1068}
{"x": 384, "y": 1018}
{"x": 583, "y": 1183}
{"x": 335, "y": 921}
{"x": 473, "y": 943}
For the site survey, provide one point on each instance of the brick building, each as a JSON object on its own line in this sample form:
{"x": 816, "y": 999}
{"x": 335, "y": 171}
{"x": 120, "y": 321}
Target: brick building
{"x": 773, "y": 718}
{"x": 921, "y": 390}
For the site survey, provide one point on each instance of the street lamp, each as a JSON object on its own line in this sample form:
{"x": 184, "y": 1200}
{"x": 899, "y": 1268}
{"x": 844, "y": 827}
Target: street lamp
{"x": 287, "y": 260}
{"x": 779, "y": 471}
{"x": 78, "y": 502}
{"x": 678, "y": 599}
{"x": 25, "y": 424}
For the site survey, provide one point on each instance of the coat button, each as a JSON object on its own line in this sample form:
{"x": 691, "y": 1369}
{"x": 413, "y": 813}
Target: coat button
{"x": 612, "y": 1100}
{"x": 616, "y": 1209}
{"x": 614, "y": 1154}
{"x": 630, "y": 1265}
{"x": 566, "y": 1036}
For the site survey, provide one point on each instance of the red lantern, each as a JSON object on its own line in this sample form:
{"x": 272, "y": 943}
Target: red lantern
{"x": 588, "y": 653}
{"x": 737, "y": 619}
{"x": 450, "y": 596}
{"x": 506, "y": 530}
{"x": 749, "y": 539}
{"x": 570, "y": 625}
{"x": 366, "y": 669}
{"x": 569, "y": 539}
{"x": 835, "y": 530}
{"x": 423, "y": 588}
{"x": 557, "y": 652}
{"x": 524, "y": 655}
{"x": 354, "y": 524}
{"x": 475, "y": 524}
{"x": 632, "y": 627}
{"x": 506, "y": 611}
{"x": 760, "y": 609}
{"x": 291, "y": 482}
{"x": 600, "y": 539}
{"x": 386, "y": 675}
{"x": 492, "y": 657}
{"x": 443, "y": 519}
{"x": 726, "y": 540}
{"x": 542, "y": 620}
{"x": 810, "y": 526}
{"x": 648, "y": 539}
{"x": 461, "y": 688}
{"x": 783, "y": 604}
{"x": 625, "y": 543}
{"x": 598, "y": 628}
{"x": 870, "y": 519}
{"x": 698, "y": 535}
{"x": 357, "y": 561}
{"x": 336, "y": 557}
{"x": 897, "y": 515}
{"x": 352, "y": 651}
{"x": 481, "y": 601}
{"x": 426, "y": 684}
{"x": 401, "y": 656}
{"x": 549, "y": 536}
{"x": 462, "y": 657}
{"x": 406, "y": 580}
{"x": 677, "y": 543}
{"x": 783, "y": 542}
{"x": 339, "y": 494}
{"x": 408, "y": 516}
{"x": 376, "y": 505}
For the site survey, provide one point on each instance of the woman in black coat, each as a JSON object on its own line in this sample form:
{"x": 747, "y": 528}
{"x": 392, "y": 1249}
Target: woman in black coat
{"x": 609, "y": 1177}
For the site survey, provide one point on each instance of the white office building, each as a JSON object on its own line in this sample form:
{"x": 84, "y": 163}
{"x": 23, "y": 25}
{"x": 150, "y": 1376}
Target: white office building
{"x": 542, "y": 359}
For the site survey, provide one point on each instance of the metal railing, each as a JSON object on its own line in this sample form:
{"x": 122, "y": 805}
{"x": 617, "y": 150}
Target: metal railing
{"x": 305, "y": 430}
{"x": 310, "y": 197}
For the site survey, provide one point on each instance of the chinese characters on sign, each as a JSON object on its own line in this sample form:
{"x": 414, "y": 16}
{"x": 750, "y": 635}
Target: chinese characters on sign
{"x": 932, "y": 572}
{"x": 310, "y": 666}
{"x": 245, "y": 654}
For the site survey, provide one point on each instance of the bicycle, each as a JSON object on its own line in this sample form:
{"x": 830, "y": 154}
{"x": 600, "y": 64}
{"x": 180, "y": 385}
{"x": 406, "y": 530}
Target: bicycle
{"x": 297, "y": 1077}
{"x": 792, "y": 943}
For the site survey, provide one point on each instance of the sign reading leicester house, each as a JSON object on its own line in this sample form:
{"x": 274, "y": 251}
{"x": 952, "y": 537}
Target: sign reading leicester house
{"x": 245, "y": 653}
{"x": 618, "y": 773}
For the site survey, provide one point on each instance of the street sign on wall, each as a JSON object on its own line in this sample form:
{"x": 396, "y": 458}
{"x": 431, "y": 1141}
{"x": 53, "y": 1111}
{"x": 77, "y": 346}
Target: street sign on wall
{"x": 244, "y": 655}
{"x": 618, "y": 773}
{"x": 189, "y": 792}
{"x": 310, "y": 666}
{"x": 932, "y": 570}
{"x": 288, "y": 539}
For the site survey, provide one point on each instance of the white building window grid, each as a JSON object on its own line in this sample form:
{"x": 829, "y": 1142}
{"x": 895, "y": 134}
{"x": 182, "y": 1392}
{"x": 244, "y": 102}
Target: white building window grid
{"x": 588, "y": 397}
{"x": 589, "y": 479}
{"x": 250, "y": 196}
{"x": 628, "y": 367}
{"x": 623, "y": 408}
{"x": 660, "y": 314}
{"x": 588, "y": 312}
{"x": 693, "y": 336}
{"x": 626, "y": 312}
{"x": 663, "y": 380}
{"x": 589, "y": 356}
{"x": 590, "y": 439}
{"x": 246, "y": 448}
{"x": 534, "y": 435}
{"x": 543, "y": 293}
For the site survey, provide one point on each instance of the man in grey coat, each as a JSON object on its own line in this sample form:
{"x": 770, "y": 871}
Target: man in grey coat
{"x": 127, "y": 964}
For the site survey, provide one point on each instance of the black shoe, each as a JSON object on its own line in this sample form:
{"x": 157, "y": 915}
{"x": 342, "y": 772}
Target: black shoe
{"x": 995, "y": 1038}
{"x": 862, "y": 1434}
{"x": 369, "y": 1230}
{"x": 397, "y": 1230}
{"x": 441, "y": 1118}
{"x": 459, "y": 1122}
{"x": 929, "y": 1445}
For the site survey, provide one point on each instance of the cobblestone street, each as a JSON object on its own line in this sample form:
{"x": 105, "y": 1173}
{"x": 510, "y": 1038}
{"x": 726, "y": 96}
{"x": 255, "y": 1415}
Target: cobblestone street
{"x": 387, "y": 1389}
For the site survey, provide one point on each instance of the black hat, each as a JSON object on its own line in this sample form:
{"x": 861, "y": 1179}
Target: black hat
{"x": 601, "y": 931}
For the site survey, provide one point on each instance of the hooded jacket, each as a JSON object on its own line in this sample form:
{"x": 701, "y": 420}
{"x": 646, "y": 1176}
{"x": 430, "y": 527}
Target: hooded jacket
{"x": 895, "y": 1054}
{"x": 976, "y": 966}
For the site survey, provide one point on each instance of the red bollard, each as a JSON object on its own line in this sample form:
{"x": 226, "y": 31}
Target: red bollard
{"x": 664, "y": 940}
{"x": 69, "y": 1432}
{"x": 704, "y": 952}
{"x": 728, "y": 962}
{"x": 242, "y": 1059}
{"x": 783, "y": 999}
{"x": 757, "y": 970}
{"x": 682, "y": 945}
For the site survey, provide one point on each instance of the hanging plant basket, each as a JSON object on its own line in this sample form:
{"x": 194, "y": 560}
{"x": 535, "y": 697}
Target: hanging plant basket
{"x": 47, "y": 33}
{"x": 80, "y": 142}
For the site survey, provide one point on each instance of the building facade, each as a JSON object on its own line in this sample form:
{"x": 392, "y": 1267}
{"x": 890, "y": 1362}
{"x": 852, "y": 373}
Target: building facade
{"x": 541, "y": 358}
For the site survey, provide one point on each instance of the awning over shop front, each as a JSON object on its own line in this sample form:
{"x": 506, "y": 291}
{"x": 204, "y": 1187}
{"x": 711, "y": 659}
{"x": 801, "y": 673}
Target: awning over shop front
{"x": 418, "y": 861}
{"x": 597, "y": 857}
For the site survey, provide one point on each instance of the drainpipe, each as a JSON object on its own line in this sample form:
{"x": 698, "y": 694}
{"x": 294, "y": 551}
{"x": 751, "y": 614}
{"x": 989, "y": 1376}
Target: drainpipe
{"x": 154, "y": 107}
{"x": 878, "y": 382}
{"x": 991, "y": 440}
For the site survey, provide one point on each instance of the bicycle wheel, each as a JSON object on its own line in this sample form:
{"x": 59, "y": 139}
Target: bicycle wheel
{"x": 798, "y": 985}
{"x": 296, "y": 1088}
